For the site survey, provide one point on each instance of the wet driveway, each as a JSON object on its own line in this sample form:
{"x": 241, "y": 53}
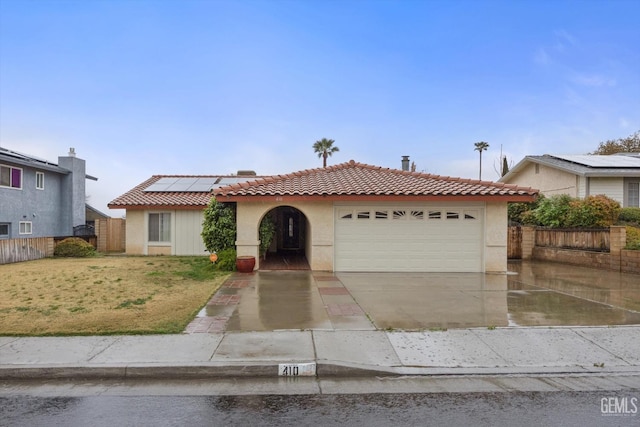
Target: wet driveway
{"x": 532, "y": 294}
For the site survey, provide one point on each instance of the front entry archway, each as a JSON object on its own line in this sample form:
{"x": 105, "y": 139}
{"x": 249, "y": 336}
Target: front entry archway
{"x": 288, "y": 249}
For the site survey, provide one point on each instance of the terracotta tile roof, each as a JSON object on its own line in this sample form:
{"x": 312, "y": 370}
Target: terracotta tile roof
{"x": 352, "y": 180}
{"x": 345, "y": 181}
{"x": 137, "y": 197}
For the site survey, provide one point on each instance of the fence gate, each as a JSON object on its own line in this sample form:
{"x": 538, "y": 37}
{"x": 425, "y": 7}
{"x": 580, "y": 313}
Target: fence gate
{"x": 111, "y": 234}
{"x": 514, "y": 242}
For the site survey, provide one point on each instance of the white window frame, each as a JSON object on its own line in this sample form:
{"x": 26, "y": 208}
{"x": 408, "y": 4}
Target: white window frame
{"x": 11, "y": 168}
{"x": 633, "y": 194}
{"x": 25, "y": 227}
{"x": 164, "y": 219}
{"x": 39, "y": 180}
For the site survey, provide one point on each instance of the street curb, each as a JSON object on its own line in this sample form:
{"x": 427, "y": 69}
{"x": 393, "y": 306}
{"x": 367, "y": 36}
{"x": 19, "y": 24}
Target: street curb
{"x": 261, "y": 370}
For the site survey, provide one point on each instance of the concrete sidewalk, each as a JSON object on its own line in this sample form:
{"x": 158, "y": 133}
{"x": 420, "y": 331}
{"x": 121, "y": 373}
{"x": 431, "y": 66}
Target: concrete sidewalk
{"x": 526, "y": 351}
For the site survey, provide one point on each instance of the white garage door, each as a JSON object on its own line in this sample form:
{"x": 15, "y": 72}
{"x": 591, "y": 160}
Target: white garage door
{"x": 427, "y": 238}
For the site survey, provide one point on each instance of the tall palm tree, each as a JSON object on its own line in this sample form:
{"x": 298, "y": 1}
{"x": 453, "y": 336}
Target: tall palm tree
{"x": 324, "y": 148}
{"x": 480, "y": 147}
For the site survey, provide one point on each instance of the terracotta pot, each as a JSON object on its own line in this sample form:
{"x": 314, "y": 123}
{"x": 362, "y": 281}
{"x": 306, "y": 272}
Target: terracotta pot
{"x": 245, "y": 264}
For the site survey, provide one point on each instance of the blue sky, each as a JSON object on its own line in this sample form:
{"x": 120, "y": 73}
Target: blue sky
{"x": 210, "y": 87}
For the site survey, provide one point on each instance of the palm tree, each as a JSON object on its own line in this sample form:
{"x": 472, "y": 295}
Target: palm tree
{"x": 481, "y": 146}
{"x": 324, "y": 148}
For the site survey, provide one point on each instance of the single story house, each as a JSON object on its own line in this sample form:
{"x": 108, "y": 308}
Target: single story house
{"x": 347, "y": 217}
{"x": 616, "y": 176}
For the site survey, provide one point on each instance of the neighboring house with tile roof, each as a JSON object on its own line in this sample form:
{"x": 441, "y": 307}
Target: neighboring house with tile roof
{"x": 347, "y": 217}
{"x": 616, "y": 176}
{"x": 39, "y": 198}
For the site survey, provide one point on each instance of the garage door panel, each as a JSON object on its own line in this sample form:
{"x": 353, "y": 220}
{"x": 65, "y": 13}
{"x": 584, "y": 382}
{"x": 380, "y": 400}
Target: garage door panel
{"x": 409, "y": 239}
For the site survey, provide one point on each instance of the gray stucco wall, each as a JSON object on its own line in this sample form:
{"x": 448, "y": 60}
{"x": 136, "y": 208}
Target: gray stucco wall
{"x": 73, "y": 210}
{"x": 40, "y": 207}
{"x": 52, "y": 211}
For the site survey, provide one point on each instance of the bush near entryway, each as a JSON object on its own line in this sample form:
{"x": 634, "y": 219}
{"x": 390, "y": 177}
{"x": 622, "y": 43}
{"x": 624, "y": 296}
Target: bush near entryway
{"x": 226, "y": 260}
{"x": 219, "y": 226}
{"x": 219, "y": 233}
{"x": 74, "y": 247}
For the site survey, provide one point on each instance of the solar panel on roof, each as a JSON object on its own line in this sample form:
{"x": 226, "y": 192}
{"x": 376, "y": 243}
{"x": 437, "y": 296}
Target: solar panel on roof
{"x": 183, "y": 184}
{"x": 603, "y": 161}
{"x": 161, "y": 185}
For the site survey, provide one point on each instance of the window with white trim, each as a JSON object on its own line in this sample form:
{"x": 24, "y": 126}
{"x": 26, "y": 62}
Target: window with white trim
{"x": 40, "y": 180}
{"x": 10, "y": 177}
{"x": 160, "y": 227}
{"x": 633, "y": 194}
{"x": 5, "y": 230}
{"x": 26, "y": 227}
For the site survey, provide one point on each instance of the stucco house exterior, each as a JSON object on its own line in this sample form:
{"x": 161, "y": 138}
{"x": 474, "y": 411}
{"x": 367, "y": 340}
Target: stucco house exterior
{"x": 347, "y": 217}
{"x": 39, "y": 198}
{"x": 616, "y": 176}
{"x": 165, "y": 213}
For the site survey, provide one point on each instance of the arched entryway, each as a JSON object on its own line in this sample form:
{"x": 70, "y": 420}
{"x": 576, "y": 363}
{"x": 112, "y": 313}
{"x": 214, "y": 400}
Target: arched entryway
{"x": 289, "y": 246}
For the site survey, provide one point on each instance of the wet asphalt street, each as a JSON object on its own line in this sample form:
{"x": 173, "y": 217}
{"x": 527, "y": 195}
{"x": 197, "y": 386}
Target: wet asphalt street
{"x": 483, "y": 400}
{"x": 442, "y": 409}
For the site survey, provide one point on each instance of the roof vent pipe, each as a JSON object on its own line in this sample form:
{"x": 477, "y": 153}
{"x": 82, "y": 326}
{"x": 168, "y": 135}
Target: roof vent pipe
{"x": 405, "y": 163}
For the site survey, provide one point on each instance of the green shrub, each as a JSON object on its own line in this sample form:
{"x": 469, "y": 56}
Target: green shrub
{"x": 266, "y": 233}
{"x": 219, "y": 226}
{"x": 226, "y": 260}
{"x": 560, "y": 211}
{"x": 593, "y": 211}
{"x": 553, "y": 211}
{"x": 520, "y": 213}
{"x": 74, "y": 247}
{"x": 633, "y": 238}
{"x": 630, "y": 215}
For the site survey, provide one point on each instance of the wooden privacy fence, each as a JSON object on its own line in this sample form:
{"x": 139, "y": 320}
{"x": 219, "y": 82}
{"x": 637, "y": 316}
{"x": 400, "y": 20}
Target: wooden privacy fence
{"x": 111, "y": 234}
{"x": 514, "y": 242}
{"x": 17, "y": 250}
{"x": 596, "y": 239}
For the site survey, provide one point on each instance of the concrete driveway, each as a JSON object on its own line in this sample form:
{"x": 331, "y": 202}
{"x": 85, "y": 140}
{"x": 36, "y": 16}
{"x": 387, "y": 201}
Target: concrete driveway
{"x": 533, "y": 294}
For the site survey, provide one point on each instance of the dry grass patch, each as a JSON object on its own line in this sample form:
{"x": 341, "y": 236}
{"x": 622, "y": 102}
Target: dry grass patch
{"x": 104, "y": 295}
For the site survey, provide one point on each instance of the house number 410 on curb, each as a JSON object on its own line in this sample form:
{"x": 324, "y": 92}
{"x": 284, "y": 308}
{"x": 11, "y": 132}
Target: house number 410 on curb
{"x": 297, "y": 369}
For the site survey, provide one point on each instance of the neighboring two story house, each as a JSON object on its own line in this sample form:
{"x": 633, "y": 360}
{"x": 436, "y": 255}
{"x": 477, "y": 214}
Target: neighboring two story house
{"x": 616, "y": 176}
{"x": 39, "y": 198}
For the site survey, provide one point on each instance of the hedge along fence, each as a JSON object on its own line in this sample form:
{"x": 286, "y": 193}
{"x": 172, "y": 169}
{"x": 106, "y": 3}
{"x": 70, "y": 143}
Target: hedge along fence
{"x": 592, "y": 239}
{"x": 25, "y": 249}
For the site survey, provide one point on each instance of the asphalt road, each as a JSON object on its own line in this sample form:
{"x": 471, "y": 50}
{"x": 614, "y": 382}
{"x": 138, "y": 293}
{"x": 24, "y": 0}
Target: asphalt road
{"x": 68, "y": 407}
